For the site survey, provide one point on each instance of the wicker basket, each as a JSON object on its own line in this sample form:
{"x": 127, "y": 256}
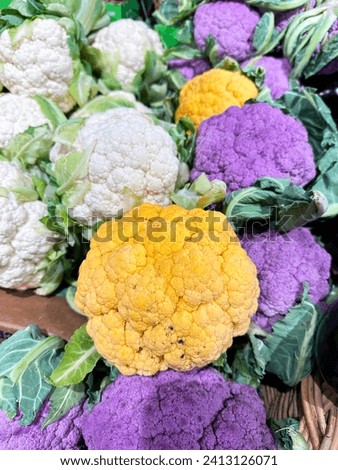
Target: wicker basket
{"x": 314, "y": 403}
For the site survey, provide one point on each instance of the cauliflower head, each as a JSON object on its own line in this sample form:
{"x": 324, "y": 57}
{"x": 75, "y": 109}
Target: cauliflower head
{"x": 257, "y": 140}
{"x": 189, "y": 68}
{"x": 17, "y": 114}
{"x": 122, "y": 148}
{"x": 178, "y": 411}
{"x": 125, "y": 44}
{"x": 284, "y": 263}
{"x": 277, "y": 74}
{"x": 231, "y": 24}
{"x": 24, "y": 240}
{"x": 35, "y": 60}
{"x": 63, "y": 434}
{"x": 212, "y": 93}
{"x": 165, "y": 287}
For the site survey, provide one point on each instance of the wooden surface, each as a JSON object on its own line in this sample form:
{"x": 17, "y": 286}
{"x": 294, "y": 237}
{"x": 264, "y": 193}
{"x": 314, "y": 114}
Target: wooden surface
{"x": 51, "y": 314}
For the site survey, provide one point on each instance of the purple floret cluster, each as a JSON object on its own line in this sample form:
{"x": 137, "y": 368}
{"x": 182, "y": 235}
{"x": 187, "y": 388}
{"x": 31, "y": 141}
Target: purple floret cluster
{"x": 230, "y": 23}
{"x": 257, "y": 140}
{"x": 189, "y": 68}
{"x": 63, "y": 434}
{"x": 175, "y": 410}
{"x": 284, "y": 263}
{"x": 277, "y": 74}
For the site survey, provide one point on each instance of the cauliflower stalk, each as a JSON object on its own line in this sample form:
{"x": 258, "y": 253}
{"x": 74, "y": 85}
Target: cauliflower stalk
{"x": 165, "y": 287}
{"x": 178, "y": 411}
{"x": 121, "y": 51}
{"x": 112, "y": 161}
{"x": 41, "y": 57}
{"x": 29, "y": 252}
{"x": 26, "y": 127}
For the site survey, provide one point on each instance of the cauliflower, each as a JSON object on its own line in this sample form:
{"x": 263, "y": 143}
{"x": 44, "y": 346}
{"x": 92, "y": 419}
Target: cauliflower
{"x": 178, "y": 411}
{"x": 189, "y": 68}
{"x": 124, "y": 45}
{"x": 277, "y": 74}
{"x": 285, "y": 262}
{"x": 257, "y": 140}
{"x": 114, "y": 99}
{"x": 121, "y": 150}
{"x": 17, "y": 114}
{"x": 36, "y": 59}
{"x": 24, "y": 240}
{"x": 231, "y": 24}
{"x": 170, "y": 299}
{"x": 60, "y": 435}
{"x": 212, "y": 93}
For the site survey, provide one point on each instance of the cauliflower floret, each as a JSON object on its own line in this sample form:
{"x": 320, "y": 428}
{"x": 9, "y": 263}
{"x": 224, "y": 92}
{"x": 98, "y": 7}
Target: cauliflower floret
{"x": 231, "y": 24}
{"x": 189, "y": 68}
{"x": 174, "y": 298}
{"x": 178, "y": 411}
{"x": 63, "y": 434}
{"x": 212, "y": 93}
{"x": 17, "y": 114}
{"x": 257, "y": 140}
{"x": 37, "y": 61}
{"x": 127, "y": 42}
{"x": 24, "y": 240}
{"x": 284, "y": 263}
{"x": 127, "y": 150}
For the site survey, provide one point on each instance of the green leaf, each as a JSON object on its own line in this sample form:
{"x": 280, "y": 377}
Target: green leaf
{"x": 82, "y": 85}
{"x": 266, "y": 37}
{"x": 250, "y": 359}
{"x": 315, "y": 115}
{"x": 7, "y": 397}
{"x": 79, "y": 359}
{"x": 30, "y": 147}
{"x": 291, "y": 344}
{"x": 200, "y": 194}
{"x": 277, "y": 5}
{"x": 287, "y": 433}
{"x": 276, "y": 200}
{"x": 327, "y": 179}
{"x": 171, "y": 11}
{"x": 26, "y": 359}
{"x": 103, "y": 103}
{"x": 52, "y": 112}
{"x": 222, "y": 365}
{"x": 62, "y": 400}
{"x": 327, "y": 53}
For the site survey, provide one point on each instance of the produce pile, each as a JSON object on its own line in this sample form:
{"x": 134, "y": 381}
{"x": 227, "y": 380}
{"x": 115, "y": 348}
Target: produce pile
{"x": 174, "y": 176}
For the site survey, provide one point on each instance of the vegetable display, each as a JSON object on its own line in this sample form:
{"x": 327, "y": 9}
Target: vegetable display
{"x": 170, "y": 170}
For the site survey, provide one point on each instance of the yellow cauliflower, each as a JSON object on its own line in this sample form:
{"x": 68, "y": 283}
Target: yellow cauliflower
{"x": 165, "y": 287}
{"x": 212, "y": 93}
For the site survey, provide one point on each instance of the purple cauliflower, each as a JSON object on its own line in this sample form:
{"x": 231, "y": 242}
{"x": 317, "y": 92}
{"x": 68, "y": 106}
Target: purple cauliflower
{"x": 175, "y": 410}
{"x": 284, "y": 263}
{"x": 60, "y": 435}
{"x": 231, "y": 24}
{"x": 189, "y": 68}
{"x": 277, "y": 72}
{"x": 244, "y": 144}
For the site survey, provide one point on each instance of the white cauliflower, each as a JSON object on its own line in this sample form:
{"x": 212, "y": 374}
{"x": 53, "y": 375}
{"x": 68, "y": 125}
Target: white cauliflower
{"x": 125, "y": 44}
{"x": 123, "y": 152}
{"x": 24, "y": 240}
{"x": 35, "y": 60}
{"x": 17, "y": 114}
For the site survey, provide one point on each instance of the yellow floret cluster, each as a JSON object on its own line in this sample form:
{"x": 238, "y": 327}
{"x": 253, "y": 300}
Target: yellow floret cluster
{"x": 165, "y": 287}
